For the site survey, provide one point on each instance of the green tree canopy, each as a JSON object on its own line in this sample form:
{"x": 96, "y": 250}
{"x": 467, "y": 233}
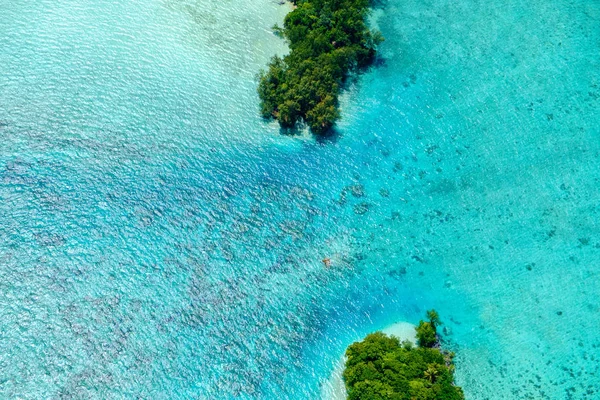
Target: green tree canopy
{"x": 382, "y": 368}
{"x": 327, "y": 39}
{"x": 426, "y": 334}
{"x": 427, "y": 331}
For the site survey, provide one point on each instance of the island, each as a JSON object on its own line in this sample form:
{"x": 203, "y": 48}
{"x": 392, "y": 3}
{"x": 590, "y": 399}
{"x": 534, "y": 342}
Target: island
{"x": 328, "y": 39}
{"x": 382, "y": 368}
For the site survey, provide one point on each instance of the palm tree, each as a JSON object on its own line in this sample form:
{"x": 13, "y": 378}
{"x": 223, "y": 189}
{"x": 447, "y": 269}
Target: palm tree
{"x": 432, "y": 372}
{"x": 434, "y": 318}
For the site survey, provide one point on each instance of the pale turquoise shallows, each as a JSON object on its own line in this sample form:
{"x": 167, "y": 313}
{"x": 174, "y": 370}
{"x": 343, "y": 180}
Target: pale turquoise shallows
{"x": 158, "y": 240}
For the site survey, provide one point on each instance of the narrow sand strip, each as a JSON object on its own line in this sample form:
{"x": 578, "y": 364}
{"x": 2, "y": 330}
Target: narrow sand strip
{"x": 334, "y": 389}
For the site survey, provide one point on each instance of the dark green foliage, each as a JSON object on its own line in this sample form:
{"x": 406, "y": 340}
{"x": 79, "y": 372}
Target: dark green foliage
{"x": 382, "y": 368}
{"x": 427, "y": 331}
{"x": 328, "y": 39}
{"x": 426, "y": 334}
{"x": 434, "y": 318}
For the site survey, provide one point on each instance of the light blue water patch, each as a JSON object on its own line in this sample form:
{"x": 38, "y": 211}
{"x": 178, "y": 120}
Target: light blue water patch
{"x": 159, "y": 240}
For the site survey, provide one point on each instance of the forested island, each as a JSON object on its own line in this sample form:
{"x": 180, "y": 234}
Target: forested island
{"x": 328, "y": 39}
{"x": 382, "y": 368}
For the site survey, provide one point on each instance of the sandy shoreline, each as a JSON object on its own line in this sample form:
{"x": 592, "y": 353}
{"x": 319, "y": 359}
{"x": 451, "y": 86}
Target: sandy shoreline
{"x": 334, "y": 389}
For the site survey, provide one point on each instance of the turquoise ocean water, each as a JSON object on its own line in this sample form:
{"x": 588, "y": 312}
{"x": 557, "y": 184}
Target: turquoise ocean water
{"x": 158, "y": 240}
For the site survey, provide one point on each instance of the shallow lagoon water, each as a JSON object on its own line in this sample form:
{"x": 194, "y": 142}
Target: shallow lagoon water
{"x": 159, "y": 240}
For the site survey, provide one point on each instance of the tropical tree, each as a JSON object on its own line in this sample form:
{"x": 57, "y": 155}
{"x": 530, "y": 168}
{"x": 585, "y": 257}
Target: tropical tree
{"x": 426, "y": 334}
{"x": 434, "y": 318}
{"x": 328, "y": 39}
{"x": 382, "y": 368}
{"x": 432, "y": 372}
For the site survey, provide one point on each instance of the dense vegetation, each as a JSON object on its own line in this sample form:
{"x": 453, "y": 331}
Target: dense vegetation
{"x": 327, "y": 39}
{"x": 382, "y": 368}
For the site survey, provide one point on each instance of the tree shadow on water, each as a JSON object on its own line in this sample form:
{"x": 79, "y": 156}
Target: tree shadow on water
{"x": 374, "y": 4}
{"x": 329, "y": 137}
